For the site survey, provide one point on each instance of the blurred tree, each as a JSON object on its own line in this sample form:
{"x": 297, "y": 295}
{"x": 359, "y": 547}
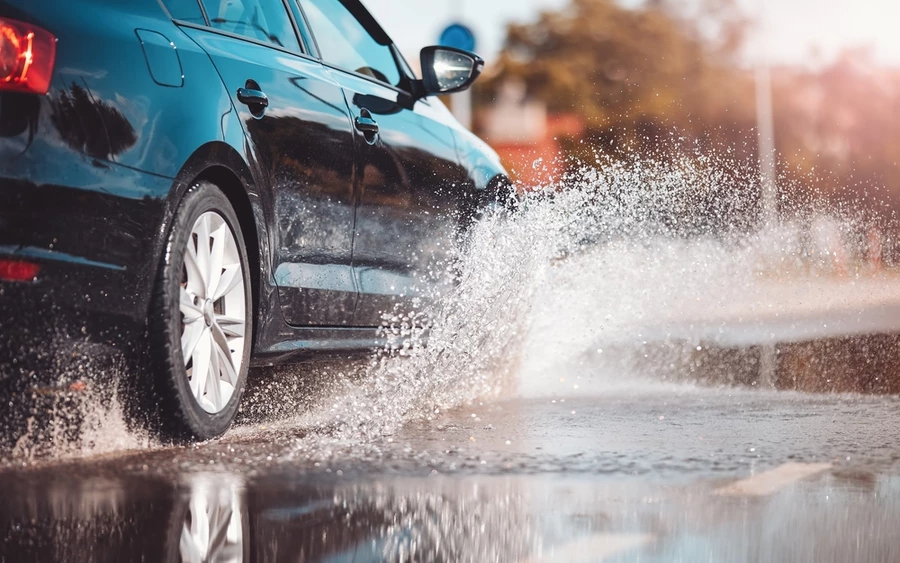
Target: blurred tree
{"x": 837, "y": 128}
{"x": 666, "y": 78}
{"x": 635, "y": 76}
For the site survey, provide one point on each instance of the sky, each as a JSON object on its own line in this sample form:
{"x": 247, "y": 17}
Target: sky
{"x": 794, "y": 31}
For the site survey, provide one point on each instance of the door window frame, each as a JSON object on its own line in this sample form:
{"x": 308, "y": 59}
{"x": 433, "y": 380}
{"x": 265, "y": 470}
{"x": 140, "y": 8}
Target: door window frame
{"x": 405, "y": 77}
{"x": 302, "y": 33}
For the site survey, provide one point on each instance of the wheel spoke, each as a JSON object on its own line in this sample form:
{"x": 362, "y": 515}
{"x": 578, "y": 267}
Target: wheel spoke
{"x": 227, "y": 390}
{"x": 189, "y": 340}
{"x": 195, "y": 280}
{"x": 230, "y": 279}
{"x": 203, "y": 252}
{"x": 224, "y": 352}
{"x": 236, "y": 344}
{"x": 213, "y": 384}
{"x": 201, "y": 367}
{"x": 191, "y": 312}
{"x": 216, "y": 258}
{"x": 231, "y": 326}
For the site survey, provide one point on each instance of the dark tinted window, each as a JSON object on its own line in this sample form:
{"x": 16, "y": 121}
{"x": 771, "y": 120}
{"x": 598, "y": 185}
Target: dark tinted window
{"x": 263, "y": 20}
{"x": 185, "y": 10}
{"x": 345, "y": 43}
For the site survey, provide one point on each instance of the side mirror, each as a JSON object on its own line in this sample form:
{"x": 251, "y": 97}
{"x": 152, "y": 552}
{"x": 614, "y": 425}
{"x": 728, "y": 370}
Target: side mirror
{"x": 446, "y": 70}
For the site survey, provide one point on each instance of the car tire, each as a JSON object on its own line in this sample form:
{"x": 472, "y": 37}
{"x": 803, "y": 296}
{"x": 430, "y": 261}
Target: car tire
{"x": 201, "y": 319}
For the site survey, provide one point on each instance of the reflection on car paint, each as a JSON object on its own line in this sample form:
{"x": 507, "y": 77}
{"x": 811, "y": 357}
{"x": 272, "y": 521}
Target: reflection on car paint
{"x": 89, "y": 125}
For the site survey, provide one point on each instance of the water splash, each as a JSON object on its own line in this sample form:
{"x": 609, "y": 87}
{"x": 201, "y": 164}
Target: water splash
{"x": 578, "y": 280}
{"x": 513, "y": 264}
{"x": 82, "y": 415}
{"x": 626, "y": 257}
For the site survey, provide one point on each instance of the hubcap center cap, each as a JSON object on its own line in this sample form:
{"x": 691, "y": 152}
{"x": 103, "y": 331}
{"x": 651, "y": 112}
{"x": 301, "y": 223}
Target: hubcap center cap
{"x": 209, "y": 315}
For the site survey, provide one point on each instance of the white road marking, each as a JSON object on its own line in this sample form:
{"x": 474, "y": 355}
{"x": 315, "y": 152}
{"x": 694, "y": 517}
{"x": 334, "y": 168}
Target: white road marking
{"x": 770, "y": 482}
{"x": 592, "y": 548}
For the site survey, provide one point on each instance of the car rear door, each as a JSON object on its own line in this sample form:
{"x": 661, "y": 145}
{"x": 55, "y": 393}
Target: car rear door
{"x": 300, "y": 138}
{"x": 408, "y": 174}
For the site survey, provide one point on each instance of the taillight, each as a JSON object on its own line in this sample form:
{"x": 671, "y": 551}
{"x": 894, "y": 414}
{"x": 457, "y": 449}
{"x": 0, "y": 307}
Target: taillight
{"x": 27, "y": 55}
{"x": 18, "y": 270}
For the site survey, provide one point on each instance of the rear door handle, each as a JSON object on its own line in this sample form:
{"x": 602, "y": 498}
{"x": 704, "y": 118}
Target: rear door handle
{"x": 250, "y": 97}
{"x": 365, "y": 123}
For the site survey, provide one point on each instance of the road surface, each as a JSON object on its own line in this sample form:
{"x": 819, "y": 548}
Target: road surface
{"x": 659, "y": 431}
{"x": 673, "y": 473}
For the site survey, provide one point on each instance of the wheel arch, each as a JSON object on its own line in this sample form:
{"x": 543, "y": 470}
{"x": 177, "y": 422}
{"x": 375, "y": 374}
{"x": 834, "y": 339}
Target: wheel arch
{"x": 220, "y": 164}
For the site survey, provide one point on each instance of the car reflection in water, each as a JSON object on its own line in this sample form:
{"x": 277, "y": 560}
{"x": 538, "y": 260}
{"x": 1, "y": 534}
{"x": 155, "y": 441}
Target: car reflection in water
{"x": 217, "y": 518}
{"x": 130, "y": 519}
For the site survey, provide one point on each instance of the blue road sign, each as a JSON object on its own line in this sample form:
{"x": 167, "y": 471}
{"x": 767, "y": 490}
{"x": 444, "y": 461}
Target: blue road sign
{"x": 459, "y": 36}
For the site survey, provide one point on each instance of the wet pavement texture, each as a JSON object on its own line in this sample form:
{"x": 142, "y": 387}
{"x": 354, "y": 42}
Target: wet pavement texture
{"x": 651, "y": 472}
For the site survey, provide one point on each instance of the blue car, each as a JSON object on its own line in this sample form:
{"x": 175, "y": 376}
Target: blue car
{"x": 201, "y": 186}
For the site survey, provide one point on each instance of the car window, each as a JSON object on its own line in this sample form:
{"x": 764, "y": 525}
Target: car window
{"x": 185, "y": 10}
{"x": 346, "y": 43}
{"x": 263, "y": 20}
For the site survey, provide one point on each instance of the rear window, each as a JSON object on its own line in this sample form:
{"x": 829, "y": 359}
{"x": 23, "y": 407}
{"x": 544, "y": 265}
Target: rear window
{"x": 263, "y": 20}
{"x": 185, "y": 10}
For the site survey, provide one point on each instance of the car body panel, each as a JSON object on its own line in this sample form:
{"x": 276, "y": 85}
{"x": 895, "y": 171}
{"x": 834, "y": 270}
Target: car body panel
{"x": 408, "y": 184}
{"x": 303, "y": 149}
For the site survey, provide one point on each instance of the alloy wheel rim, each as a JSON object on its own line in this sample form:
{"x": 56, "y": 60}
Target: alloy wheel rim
{"x": 213, "y": 312}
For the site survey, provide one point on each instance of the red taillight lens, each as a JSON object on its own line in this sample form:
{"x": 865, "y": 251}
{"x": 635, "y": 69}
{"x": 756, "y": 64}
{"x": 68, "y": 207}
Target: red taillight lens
{"x": 18, "y": 270}
{"x": 27, "y": 55}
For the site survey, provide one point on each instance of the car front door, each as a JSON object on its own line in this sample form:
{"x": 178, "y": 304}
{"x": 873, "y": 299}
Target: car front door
{"x": 408, "y": 175}
{"x": 299, "y": 133}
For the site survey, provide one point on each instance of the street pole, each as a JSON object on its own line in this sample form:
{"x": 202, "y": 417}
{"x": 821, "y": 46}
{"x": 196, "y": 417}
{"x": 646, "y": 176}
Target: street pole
{"x": 461, "y": 103}
{"x": 765, "y": 127}
{"x": 456, "y": 8}
{"x": 462, "y": 108}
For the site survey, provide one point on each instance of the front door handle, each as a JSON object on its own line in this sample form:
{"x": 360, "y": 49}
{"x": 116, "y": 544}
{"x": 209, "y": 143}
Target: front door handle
{"x": 252, "y": 98}
{"x": 365, "y": 123}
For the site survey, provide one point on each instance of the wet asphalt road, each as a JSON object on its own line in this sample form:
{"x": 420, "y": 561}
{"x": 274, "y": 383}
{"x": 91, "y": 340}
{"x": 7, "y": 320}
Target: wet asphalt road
{"x": 652, "y": 472}
{"x": 708, "y": 449}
